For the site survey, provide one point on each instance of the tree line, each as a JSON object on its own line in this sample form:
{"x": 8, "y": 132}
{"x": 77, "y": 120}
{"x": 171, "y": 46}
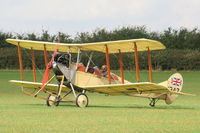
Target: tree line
{"x": 182, "y": 53}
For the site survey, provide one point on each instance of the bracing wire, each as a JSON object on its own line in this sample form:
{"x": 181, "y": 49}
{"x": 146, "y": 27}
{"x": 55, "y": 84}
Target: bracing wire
{"x": 37, "y": 68}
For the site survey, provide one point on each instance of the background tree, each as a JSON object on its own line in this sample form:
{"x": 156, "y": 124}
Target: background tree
{"x": 182, "y": 53}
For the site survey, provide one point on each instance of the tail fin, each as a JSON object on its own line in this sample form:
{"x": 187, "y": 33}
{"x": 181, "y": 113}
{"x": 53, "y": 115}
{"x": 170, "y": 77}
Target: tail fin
{"x": 175, "y": 84}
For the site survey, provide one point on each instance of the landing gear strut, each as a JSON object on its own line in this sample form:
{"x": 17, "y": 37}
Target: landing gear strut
{"x": 54, "y": 99}
{"x": 153, "y": 102}
{"x": 81, "y": 99}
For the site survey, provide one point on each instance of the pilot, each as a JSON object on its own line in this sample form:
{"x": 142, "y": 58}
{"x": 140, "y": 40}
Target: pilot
{"x": 104, "y": 71}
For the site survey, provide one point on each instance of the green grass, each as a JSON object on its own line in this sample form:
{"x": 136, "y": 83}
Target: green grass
{"x": 105, "y": 114}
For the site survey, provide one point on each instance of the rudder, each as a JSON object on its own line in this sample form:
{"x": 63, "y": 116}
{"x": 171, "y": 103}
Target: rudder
{"x": 175, "y": 84}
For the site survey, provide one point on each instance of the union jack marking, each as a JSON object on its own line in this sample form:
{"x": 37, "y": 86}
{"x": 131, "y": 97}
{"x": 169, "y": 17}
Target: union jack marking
{"x": 176, "y": 81}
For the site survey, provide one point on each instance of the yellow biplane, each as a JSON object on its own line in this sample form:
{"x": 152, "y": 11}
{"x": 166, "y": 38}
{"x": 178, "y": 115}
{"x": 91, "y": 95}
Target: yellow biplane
{"x": 74, "y": 77}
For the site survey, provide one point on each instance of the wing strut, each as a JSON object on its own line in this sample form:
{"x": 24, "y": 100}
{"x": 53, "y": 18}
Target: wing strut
{"x": 88, "y": 64}
{"x": 20, "y": 62}
{"x": 108, "y": 64}
{"x": 136, "y": 63}
{"x": 150, "y": 65}
{"x": 121, "y": 67}
{"x": 33, "y": 64}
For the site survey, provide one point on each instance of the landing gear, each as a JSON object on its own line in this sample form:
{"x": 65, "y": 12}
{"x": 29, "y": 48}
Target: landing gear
{"x": 153, "y": 102}
{"x": 82, "y": 100}
{"x": 52, "y": 100}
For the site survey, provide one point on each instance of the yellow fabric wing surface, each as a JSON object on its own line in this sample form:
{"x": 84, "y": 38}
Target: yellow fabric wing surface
{"x": 132, "y": 88}
{"x": 114, "y": 89}
{"x": 113, "y": 46}
{"x": 37, "y": 85}
{"x": 127, "y": 89}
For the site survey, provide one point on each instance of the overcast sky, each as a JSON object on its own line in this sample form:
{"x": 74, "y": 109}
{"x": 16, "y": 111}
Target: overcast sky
{"x": 72, "y": 16}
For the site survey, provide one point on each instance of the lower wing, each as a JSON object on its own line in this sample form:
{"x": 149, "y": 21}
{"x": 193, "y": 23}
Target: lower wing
{"x": 131, "y": 88}
{"x": 37, "y": 85}
{"x": 111, "y": 89}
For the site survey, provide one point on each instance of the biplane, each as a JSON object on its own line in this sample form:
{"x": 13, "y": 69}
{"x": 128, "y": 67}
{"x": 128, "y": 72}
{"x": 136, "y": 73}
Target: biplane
{"x": 75, "y": 78}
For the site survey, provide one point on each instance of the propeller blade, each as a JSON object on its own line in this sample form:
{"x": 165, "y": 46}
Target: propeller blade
{"x": 48, "y": 68}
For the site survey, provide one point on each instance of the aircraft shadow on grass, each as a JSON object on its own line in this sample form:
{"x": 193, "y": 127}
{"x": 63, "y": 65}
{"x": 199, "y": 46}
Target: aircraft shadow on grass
{"x": 144, "y": 107}
{"x": 175, "y": 107}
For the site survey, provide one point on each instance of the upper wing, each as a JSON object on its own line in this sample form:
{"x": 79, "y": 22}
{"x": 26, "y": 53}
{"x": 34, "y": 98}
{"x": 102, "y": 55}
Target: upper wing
{"x": 39, "y": 45}
{"x": 114, "y": 46}
{"x": 130, "y": 88}
{"x": 37, "y": 85}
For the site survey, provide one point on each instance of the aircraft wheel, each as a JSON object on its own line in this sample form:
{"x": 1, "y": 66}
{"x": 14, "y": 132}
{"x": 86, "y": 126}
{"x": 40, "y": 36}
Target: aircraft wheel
{"x": 53, "y": 100}
{"x": 153, "y": 102}
{"x": 82, "y": 100}
{"x": 152, "y": 105}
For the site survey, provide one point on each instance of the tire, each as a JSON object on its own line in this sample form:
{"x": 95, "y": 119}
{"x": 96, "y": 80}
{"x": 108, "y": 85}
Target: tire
{"x": 52, "y": 100}
{"x": 82, "y": 100}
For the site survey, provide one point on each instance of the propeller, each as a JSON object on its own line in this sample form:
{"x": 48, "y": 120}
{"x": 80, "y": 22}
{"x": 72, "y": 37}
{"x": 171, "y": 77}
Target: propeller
{"x": 48, "y": 68}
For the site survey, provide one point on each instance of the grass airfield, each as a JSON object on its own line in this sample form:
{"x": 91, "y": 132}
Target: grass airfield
{"x": 20, "y": 113}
